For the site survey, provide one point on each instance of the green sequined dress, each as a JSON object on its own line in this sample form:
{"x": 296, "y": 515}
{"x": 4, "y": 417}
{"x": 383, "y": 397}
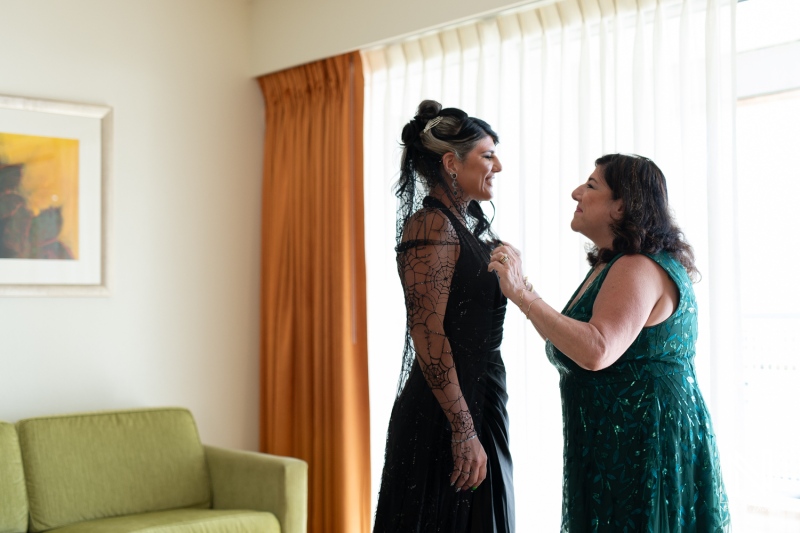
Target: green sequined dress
{"x": 639, "y": 450}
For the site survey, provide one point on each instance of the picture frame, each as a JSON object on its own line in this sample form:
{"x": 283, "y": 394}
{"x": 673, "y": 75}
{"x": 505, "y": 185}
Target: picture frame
{"x": 55, "y": 162}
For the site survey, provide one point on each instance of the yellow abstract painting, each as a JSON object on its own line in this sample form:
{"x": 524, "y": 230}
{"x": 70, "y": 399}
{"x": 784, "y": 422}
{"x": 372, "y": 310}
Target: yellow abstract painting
{"x": 38, "y": 197}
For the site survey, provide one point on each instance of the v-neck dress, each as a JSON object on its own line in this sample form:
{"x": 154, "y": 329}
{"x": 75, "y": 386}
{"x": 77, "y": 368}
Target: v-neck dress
{"x": 639, "y": 449}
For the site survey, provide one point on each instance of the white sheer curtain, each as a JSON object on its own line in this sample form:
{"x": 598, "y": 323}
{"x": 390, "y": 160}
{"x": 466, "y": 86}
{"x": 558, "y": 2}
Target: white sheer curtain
{"x": 563, "y": 84}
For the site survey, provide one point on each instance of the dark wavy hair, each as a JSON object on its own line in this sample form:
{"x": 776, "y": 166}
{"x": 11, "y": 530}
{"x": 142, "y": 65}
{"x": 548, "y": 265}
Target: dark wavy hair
{"x": 421, "y": 163}
{"x": 646, "y": 225}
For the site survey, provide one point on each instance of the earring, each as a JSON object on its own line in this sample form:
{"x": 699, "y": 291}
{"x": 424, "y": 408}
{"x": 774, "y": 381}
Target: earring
{"x": 453, "y": 176}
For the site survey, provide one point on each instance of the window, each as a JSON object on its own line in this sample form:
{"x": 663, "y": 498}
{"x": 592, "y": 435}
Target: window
{"x": 768, "y": 131}
{"x": 561, "y": 88}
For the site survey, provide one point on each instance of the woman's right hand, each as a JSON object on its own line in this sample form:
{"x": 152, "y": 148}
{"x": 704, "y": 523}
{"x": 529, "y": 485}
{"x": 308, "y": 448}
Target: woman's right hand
{"x": 506, "y": 261}
{"x": 469, "y": 462}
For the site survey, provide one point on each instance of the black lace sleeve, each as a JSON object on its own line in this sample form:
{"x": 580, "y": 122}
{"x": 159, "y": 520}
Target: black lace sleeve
{"x": 426, "y": 258}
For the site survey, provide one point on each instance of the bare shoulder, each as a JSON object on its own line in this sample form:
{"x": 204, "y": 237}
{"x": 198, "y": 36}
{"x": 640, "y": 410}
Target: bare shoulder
{"x": 638, "y": 270}
{"x": 635, "y": 264}
{"x": 429, "y": 224}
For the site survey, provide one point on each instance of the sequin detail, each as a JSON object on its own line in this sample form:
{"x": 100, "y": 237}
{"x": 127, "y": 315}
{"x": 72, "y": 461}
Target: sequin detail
{"x": 639, "y": 449}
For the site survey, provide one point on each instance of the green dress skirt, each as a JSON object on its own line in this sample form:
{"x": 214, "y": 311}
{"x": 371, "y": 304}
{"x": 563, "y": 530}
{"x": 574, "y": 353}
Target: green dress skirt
{"x": 639, "y": 450}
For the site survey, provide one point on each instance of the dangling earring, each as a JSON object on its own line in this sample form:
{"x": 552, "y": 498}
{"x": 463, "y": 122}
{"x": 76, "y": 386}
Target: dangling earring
{"x": 453, "y": 176}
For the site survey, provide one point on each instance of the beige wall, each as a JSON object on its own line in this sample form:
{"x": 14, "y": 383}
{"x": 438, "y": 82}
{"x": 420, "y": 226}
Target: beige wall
{"x": 181, "y": 327}
{"x": 293, "y": 32}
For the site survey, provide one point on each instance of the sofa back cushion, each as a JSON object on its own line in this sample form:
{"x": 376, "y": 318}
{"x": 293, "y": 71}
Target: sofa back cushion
{"x": 13, "y": 500}
{"x": 97, "y": 465}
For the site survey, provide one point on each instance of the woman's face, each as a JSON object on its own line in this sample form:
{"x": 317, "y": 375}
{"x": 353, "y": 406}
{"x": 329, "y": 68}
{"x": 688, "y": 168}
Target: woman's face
{"x": 476, "y": 172}
{"x": 596, "y": 210}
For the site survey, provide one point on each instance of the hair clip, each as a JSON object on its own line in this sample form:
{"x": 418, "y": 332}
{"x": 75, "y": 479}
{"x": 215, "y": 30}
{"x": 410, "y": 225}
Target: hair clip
{"x": 432, "y": 123}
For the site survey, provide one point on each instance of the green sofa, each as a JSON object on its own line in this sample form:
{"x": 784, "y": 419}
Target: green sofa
{"x": 141, "y": 471}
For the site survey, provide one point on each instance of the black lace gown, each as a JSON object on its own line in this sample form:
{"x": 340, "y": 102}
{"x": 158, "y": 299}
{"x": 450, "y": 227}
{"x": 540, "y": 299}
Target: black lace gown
{"x": 453, "y": 302}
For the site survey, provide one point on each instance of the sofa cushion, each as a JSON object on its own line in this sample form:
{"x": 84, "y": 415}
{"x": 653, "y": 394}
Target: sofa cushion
{"x": 97, "y": 465}
{"x": 13, "y": 500}
{"x": 181, "y": 521}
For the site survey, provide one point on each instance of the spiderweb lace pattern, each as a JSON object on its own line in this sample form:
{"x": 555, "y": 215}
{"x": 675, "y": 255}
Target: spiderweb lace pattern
{"x": 426, "y": 262}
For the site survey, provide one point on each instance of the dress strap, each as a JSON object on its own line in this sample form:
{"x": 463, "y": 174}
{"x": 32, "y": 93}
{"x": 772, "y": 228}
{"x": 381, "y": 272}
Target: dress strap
{"x": 435, "y": 203}
{"x": 466, "y": 238}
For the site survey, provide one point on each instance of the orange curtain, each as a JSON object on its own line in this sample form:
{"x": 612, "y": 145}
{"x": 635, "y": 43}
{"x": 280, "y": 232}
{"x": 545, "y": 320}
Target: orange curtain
{"x": 313, "y": 303}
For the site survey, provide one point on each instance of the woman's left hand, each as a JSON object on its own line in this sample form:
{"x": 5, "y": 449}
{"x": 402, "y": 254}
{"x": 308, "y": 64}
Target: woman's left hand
{"x": 507, "y": 262}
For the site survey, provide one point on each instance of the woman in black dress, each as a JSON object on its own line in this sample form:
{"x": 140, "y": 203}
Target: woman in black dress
{"x": 448, "y": 467}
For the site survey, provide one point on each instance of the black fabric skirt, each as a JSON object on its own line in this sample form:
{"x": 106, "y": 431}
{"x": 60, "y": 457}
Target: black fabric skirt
{"x": 415, "y": 493}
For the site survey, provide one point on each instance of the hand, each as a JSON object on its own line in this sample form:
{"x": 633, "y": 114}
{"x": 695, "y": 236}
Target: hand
{"x": 469, "y": 462}
{"x": 509, "y": 271}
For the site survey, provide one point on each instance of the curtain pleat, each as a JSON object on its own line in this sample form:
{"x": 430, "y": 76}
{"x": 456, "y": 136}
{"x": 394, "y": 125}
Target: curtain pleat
{"x": 314, "y": 350}
{"x": 563, "y": 84}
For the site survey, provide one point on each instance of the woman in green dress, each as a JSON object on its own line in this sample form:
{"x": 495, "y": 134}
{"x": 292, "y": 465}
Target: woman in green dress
{"x": 639, "y": 449}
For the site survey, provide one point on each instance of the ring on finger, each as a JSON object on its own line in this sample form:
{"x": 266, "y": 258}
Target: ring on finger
{"x": 504, "y": 259}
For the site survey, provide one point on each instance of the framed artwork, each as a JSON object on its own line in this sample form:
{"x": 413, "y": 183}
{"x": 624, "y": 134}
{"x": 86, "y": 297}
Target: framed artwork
{"x": 54, "y": 190}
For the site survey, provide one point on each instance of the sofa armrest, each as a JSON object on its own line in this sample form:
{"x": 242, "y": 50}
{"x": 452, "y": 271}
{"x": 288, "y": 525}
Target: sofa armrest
{"x": 260, "y": 482}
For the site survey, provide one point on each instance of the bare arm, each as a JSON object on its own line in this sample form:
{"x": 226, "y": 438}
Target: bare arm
{"x": 636, "y": 293}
